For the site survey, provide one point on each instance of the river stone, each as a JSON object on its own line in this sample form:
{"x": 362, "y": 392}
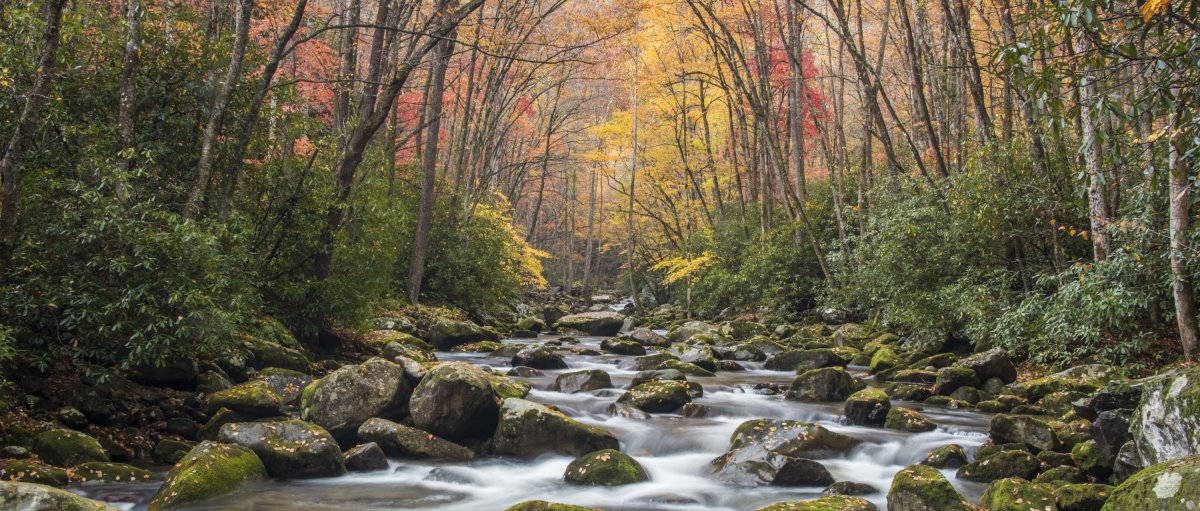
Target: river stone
{"x": 252, "y": 399}
{"x": 455, "y": 401}
{"x": 799, "y": 360}
{"x": 744, "y": 352}
{"x": 289, "y": 449}
{"x": 30, "y": 471}
{"x": 867, "y": 407}
{"x": 999, "y": 466}
{"x": 648, "y": 337}
{"x": 906, "y": 419}
{"x": 539, "y": 357}
{"x": 208, "y": 470}
{"x": 66, "y": 448}
{"x": 1016, "y": 494}
{"x": 993, "y": 363}
{"x": 922, "y": 488}
{"x": 110, "y": 473}
{"x": 525, "y": 372}
{"x": 949, "y": 379}
{"x": 1172, "y": 485}
{"x": 849, "y": 488}
{"x": 826, "y": 384}
{"x": 608, "y": 467}
{"x": 36, "y": 497}
{"x": 657, "y": 374}
{"x": 626, "y": 411}
{"x": 702, "y": 356}
{"x": 367, "y": 457}
{"x": 1166, "y": 424}
{"x": 1082, "y": 497}
{"x": 687, "y": 330}
{"x": 1091, "y": 459}
{"x": 528, "y": 429}
{"x": 946, "y": 456}
{"x": 541, "y": 505}
{"x": 793, "y": 438}
{"x": 401, "y": 441}
{"x": 752, "y": 466}
{"x": 1062, "y": 474}
{"x": 657, "y": 396}
{"x": 444, "y": 333}
{"x": 686, "y": 368}
{"x": 604, "y": 323}
{"x": 908, "y": 392}
{"x": 1034, "y": 432}
{"x": 828, "y": 503}
{"x": 883, "y": 359}
{"x": 347, "y": 397}
{"x": 646, "y": 362}
{"x": 583, "y": 381}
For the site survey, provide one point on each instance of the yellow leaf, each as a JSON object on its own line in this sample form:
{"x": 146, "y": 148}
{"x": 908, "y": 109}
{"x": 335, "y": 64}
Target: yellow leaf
{"x": 1153, "y": 8}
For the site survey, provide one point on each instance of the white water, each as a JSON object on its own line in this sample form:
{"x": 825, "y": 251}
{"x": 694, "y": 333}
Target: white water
{"x": 674, "y": 450}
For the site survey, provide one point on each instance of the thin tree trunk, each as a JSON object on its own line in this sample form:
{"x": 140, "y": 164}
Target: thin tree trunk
{"x": 129, "y": 70}
{"x": 591, "y": 225}
{"x": 1097, "y": 198}
{"x": 1185, "y": 308}
{"x": 633, "y": 160}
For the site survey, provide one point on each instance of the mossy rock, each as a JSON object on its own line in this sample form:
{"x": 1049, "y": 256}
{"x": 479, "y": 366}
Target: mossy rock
{"x": 111, "y": 473}
{"x": 608, "y": 467}
{"x": 605, "y": 323}
{"x": 444, "y": 334}
{"x": 344, "y": 399}
{"x": 1172, "y": 485}
{"x": 271, "y": 353}
{"x": 527, "y": 430}
{"x": 1060, "y": 475}
{"x": 415, "y": 352}
{"x": 66, "y": 448}
{"x": 623, "y": 347}
{"x": 687, "y": 368}
{"x": 948, "y": 402}
{"x": 29, "y": 471}
{"x": 1082, "y": 497}
{"x": 992, "y": 406}
{"x": 647, "y": 362}
{"x": 541, "y": 505}
{"x": 1055, "y": 459}
{"x": 1016, "y": 494}
{"x": 290, "y": 449}
{"x": 586, "y": 380}
{"x": 477, "y": 347}
{"x": 1035, "y": 432}
{"x": 907, "y": 419}
{"x": 950, "y": 379}
{"x": 824, "y": 385}
{"x": 908, "y": 392}
{"x": 210, "y": 469}
{"x": 378, "y": 340}
{"x": 287, "y": 383}
{"x": 37, "y": 497}
{"x": 256, "y": 398}
{"x": 169, "y": 451}
{"x": 935, "y": 361}
{"x": 1000, "y": 466}
{"x": 401, "y": 441}
{"x": 909, "y": 376}
{"x": 830, "y": 503}
{"x": 867, "y": 407}
{"x": 506, "y": 387}
{"x": 1091, "y": 459}
{"x": 803, "y": 360}
{"x": 883, "y": 359}
{"x": 922, "y": 488}
{"x": 946, "y": 456}
{"x": 657, "y": 396}
{"x": 991, "y": 449}
{"x": 530, "y": 324}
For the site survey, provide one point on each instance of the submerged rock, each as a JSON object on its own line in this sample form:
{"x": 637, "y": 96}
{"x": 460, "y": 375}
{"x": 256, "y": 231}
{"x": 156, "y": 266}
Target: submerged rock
{"x": 455, "y": 401}
{"x": 402, "y": 441}
{"x": 527, "y": 429}
{"x": 922, "y": 488}
{"x": 608, "y": 467}
{"x": 36, "y": 497}
{"x": 208, "y": 470}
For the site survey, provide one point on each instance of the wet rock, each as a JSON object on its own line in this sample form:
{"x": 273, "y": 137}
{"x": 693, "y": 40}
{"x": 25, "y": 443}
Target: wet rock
{"x": 907, "y": 419}
{"x": 444, "y": 333}
{"x": 702, "y": 356}
{"x": 525, "y": 372}
{"x": 1001, "y": 465}
{"x": 729, "y": 365}
{"x": 620, "y": 347}
{"x": 850, "y": 488}
{"x": 541, "y": 505}
{"x": 367, "y": 457}
{"x": 401, "y": 441}
{"x": 528, "y": 429}
{"x": 826, "y": 384}
{"x": 347, "y": 397}
{"x": 689, "y": 329}
{"x": 780, "y": 453}
{"x": 657, "y": 396}
{"x": 909, "y": 392}
{"x": 593, "y": 323}
{"x": 65, "y": 448}
{"x": 455, "y": 401}
{"x": 253, "y": 399}
{"x": 867, "y": 407}
{"x": 647, "y": 362}
{"x": 1082, "y": 497}
{"x": 289, "y": 449}
{"x": 110, "y": 473}
{"x": 801, "y": 360}
{"x": 949, "y": 379}
{"x": 626, "y": 411}
{"x": 922, "y": 488}
{"x": 583, "y": 381}
{"x": 693, "y": 410}
{"x": 29, "y": 471}
{"x": 37, "y": 497}
{"x": 688, "y": 369}
{"x": 1172, "y": 485}
{"x": 993, "y": 363}
{"x": 657, "y": 374}
{"x": 647, "y": 337}
{"x": 1016, "y": 494}
{"x": 946, "y": 456}
{"x": 1034, "y": 432}
{"x": 208, "y": 470}
{"x": 539, "y": 357}
{"x": 608, "y": 467}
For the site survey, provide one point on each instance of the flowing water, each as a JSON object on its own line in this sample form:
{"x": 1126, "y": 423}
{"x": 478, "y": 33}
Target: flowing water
{"x": 675, "y": 451}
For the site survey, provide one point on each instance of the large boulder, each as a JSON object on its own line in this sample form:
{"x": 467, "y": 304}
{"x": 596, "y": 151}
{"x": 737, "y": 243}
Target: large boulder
{"x": 620, "y": 346}
{"x": 1032, "y": 431}
{"x": 583, "y": 381}
{"x": 780, "y": 452}
{"x": 66, "y": 448}
{"x": 608, "y": 467}
{"x": 1172, "y": 485}
{"x": 404, "y": 442}
{"x": 366, "y": 457}
{"x": 993, "y": 363}
{"x": 648, "y": 337}
{"x": 539, "y": 357}
{"x": 829, "y": 503}
{"x": 283, "y": 352}
{"x": 604, "y": 323}
{"x": 922, "y": 488}
{"x": 527, "y": 429}
{"x": 907, "y": 419}
{"x": 803, "y": 360}
{"x": 30, "y": 471}
{"x": 444, "y": 334}
{"x": 740, "y": 330}
{"x": 1166, "y": 424}
{"x": 950, "y": 379}
{"x": 702, "y": 356}
{"x": 253, "y": 399}
{"x": 208, "y": 470}
{"x": 36, "y": 497}
{"x": 347, "y": 397}
{"x": 657, "y": 396}
{"x": 287, "y": 383}
{"x": 1015, "y": 463}
{"x": 289, "y": 449}
{"x": 455, "y": 401}
{"x": 687, "y": 330}
{"x": 867, "y": 407}
{"x": 1016, "y": 494}
{"x": 825, "y": 384}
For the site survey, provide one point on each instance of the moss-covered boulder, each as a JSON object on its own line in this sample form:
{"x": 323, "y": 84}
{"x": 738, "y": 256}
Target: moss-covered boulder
{"x": 884, "y": 358}
{"x": 527, "y": 429}
{"x": 1166, "y": 424}
{"x": 1016, "y": 494}
{"x": 907, "y": 419}
{"x": 851, "y": 488}
{"x": 401, "y": 441}
{"x": 1082, "y": 497}
{"x": 999, "y": 466}
{"x": 110, "y": 473}
{"x": 506, "y": 387}
{"x": 284, "y": 352}
{"x": 993, "y": 363}
{"x": 608, "y": 467}
{"x": 583, "y": 381}
{"x": 702, "y": 356}
{"x": 603, "y": 323}
{"x": 456, "y": 401}
{"x": 908, "y": 392}
{"x": 867, "y": 407}
{"x": 289, "y": 449}
{"x": 772, "y": 452}
{"x": 541, "y": 505}
{"x": 66, "y": 448}
{"x": 347, "y": 397}
{"x": 530, "y": 324}
{"x": 657, "y": 374}
{"x": 648, "y": 337}
{"x": 620, "y": 346}
{"x": 922, "y": 488}
{"x": 830, "y": 503}
{"x": 686, "y": 368}
{"x": 949, "y": 379}
{"x": 29, "y": 471}
{"x": 689, "y": 329}
{"x": 803, "y": 360}
{"x": 287, "y": 383}
{"x": 169, "y": 451}
{"x": 37, "y": 497}
{"x": 825, "y": 384}
{"x": 413, "y": 351}
{"x": 946, "y": 456}
{"x": 445, "y": 333}
{"x": 1036, "y": 433}
{"x": 647, "y": 362}
{"x": 657, "y": 396}
{"x": 252, "y": 399}
{"x": 539, "y": 357}
{"x": 1060, "y": 475}
{"x": 1091, "y": 459}
{"x": 208, "y": 470}
{"x": 1172, "y": 485}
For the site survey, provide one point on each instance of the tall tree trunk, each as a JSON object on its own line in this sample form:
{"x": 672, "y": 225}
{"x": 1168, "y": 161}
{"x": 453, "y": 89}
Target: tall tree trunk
{"x": 220, "y": 103}
{"x": 1185, "y": 307}
{"x": 12, "y": 170}
{"x": 127, "y": 103}
{"x": 348, "y": 52}
{"x": 1098, "y": 206}
{"x": 633, "y": 162}
{"x": 591, "y": 225}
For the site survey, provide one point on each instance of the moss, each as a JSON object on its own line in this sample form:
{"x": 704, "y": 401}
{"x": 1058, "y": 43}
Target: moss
{"x": 1016, "y": 494}
{"x": 36, "y": 497}
{"x": 868, "y": 406}
{"x": 32, "y": 472}
{"x": 608, "y": 467}
{"x": 1060, "y": 475}
{"x": 907, "y": 419}
{"x": 992, "y": 406}
{"x": 919, "y": 487}
{"x": 477, "y": 347}
{"x": 946, "y": 456}
{"x": 1035, "y": 390}
{"x": 210, "y": 469}
{"x": 884, "y": 359}
{"x": 935, "y": 361}
{"x": 1168, "y": 486}
{"x": 686, "y": 368}
{"x": 255, "y": 398}
{"x": 541, "y": 505}
{"x": 657, "y": 396}
{"x": 999, "y": 466}
{"x": 506, "y": 387}
{"x": 111, "y": 473}
{"x": 1082, "y": 497}
{"x": 1091, "y": 459}
{"x": 831, "y": 503}
{"x": 65, "y": 447}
